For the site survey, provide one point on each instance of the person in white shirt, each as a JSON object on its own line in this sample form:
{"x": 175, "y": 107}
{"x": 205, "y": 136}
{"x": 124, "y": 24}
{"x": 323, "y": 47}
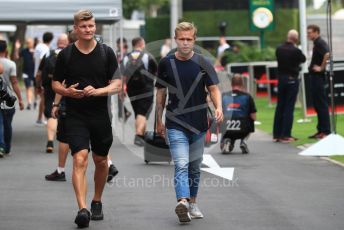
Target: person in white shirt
{"x": 7, "y": 110}
{"x": 222, "y": 47}
{"x": 41, "y": 50}
{"x": 166, "y": 48}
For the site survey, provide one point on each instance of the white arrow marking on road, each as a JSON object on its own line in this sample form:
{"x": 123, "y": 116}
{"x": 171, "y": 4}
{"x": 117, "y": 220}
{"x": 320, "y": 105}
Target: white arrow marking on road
{"x": 215, "y": 169}
{"x": 209, "y": 161}
{"x": 226, "y": 173}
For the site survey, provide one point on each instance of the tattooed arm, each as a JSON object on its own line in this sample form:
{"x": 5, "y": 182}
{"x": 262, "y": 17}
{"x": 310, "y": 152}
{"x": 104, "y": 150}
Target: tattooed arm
{"x": 159, "y": 109}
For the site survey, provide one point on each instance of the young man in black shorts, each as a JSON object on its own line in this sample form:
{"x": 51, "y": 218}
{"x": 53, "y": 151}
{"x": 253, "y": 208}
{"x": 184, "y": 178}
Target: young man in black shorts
{"x": 89, "y": 79}
{"x": 140, "y": 87}
{"x": 46, "y": 69}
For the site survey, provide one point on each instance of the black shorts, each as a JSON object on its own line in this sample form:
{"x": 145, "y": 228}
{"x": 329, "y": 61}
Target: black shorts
{"x": 235, "y": 136}
{"x": 81, "y": 133}
{"x": 48, "y": 103}
{"x": 142, "y": 106}
{"x": 61, "y": 130}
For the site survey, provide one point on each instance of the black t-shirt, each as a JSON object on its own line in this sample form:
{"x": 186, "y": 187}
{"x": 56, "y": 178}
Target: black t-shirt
{"x": 138, "y": 82}
{"x": 46, "y": 66}
{"x": 28, "y": 62}
{"x": 86, "y": 69}
{"x": 320, "y": 48}
{"x": 186, "y": 82}
{"x": 289, "y": 59}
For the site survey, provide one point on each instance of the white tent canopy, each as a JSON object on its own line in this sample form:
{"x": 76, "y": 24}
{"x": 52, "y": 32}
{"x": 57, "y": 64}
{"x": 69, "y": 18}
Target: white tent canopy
{"x": 57, "y": 11}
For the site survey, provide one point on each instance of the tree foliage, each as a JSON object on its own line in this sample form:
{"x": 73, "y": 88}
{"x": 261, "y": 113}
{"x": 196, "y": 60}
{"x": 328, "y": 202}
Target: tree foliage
{"x": 146, "y": 5}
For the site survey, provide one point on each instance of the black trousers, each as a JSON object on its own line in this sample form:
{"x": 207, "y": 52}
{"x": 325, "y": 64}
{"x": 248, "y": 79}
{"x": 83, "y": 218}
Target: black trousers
{"x": 288, "y": 88}
{"x": 320, "y": 102}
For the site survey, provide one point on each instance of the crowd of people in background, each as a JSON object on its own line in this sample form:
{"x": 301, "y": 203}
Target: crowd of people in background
{"x": 69, "y": 85}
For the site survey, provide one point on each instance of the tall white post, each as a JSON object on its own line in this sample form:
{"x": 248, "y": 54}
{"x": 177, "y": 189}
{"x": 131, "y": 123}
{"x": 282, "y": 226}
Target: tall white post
{"x": 303, "y": 40}
{"x": 303, "y": 30}
{"x": 174, "y": 18}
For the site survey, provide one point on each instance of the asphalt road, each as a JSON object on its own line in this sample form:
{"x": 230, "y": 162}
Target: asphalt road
{"x": 273, "y": 188}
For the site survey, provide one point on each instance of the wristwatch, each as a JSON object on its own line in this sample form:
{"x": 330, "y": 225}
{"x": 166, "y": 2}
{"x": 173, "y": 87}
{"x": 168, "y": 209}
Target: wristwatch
{"x": 55, "y": 105}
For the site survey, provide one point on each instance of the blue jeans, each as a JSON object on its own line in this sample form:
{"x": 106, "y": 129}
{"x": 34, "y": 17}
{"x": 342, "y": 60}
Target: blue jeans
{"x": 187, "y": 154}
{"x": 288, "y": 88}
{"x": 6, "y": 117}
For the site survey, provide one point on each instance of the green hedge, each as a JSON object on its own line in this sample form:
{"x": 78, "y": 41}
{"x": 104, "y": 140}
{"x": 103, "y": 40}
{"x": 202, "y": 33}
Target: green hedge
{"x": 238, "y": 24}
{"x": 237, "y": 21}
{"x": 157, "y": 28}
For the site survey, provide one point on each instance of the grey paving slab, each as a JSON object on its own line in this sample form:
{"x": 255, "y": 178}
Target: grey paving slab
{"x": 273, "y": 188}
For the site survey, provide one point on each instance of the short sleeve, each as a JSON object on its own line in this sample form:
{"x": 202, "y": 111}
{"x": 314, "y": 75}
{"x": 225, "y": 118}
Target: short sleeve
{"x": 152, "y": 65}
{"x": 210, "y": 73}
{"x": 302, "y": 57}
{"x": 113, "y": 70}
{"x": 59, "y": 71}
{"x": 123, "y": 67}
{"x": 322, "y": 47}
{"x": 13, "y": 72}
{"x": 42, "y": 63}
{"x": 253, "y": 108}
{"x": 162, "y": 74}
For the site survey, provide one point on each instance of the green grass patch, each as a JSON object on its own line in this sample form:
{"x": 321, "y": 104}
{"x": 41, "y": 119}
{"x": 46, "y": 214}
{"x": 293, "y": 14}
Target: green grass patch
{"x": 338, "y": 158}
{"x": 266, "y": 114}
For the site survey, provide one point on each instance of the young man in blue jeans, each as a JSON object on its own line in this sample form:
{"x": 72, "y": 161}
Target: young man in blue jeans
{"x": 186, "y": 75}
{"x": 7, "y": 110}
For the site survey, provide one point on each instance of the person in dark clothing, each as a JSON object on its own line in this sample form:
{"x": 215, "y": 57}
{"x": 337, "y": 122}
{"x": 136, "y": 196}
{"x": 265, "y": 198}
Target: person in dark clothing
{"x": 239, "y": 112}
{"x": 289, "y": 59}
{"x": 89, "y": 73}
{"x": 121, "y": 52}
{"x": 186, "y": 75}
{"x": 140, "y": 86}
{"x": 28, "y": 70}
{"x": 46, "y": 69}
{"x": 318, "y": 81}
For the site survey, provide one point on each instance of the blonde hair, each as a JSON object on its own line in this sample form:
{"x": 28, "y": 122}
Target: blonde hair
{"x": 185, "y": 26}
{"x": 82, "y": 15}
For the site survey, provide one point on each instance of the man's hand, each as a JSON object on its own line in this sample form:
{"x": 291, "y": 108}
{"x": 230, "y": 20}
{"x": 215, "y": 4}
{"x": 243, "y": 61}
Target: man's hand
{"x": 317, "y": 68}
{"x": 91, "y": 91}
{"x": 71, "y": 91}
{"x": 39, "y": 90}
{"x": 218, "y": 115}
{"x": 55, "y": 112}
{"x": 160, "y": 129}
{"x": 17, "y": 44}
{"x": 21, "y": 105}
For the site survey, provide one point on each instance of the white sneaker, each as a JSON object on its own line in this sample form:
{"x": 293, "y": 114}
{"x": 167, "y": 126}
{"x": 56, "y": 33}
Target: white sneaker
{"x": 182, "y": 211}
{"x": 40, "y": 123}
{"x": 195, "y": 213}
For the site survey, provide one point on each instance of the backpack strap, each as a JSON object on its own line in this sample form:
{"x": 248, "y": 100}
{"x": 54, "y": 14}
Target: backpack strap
{"x": 103, "y": 53}
{"x": 68, "y": 53}
{"x": 130, "y": 57}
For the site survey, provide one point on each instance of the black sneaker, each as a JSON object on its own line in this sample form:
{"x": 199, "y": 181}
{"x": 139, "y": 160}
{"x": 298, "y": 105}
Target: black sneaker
{"x": 244, "y": 148}
{"x": 97, "y": 210}
{"x": 314, "y": 136}
{"x": 55, "y": 176}
{"x": 112, "y": 173}
{"x": 83, "y": 218}
{"x": 139, "y": 140}
{"x": 50, "y": 147}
